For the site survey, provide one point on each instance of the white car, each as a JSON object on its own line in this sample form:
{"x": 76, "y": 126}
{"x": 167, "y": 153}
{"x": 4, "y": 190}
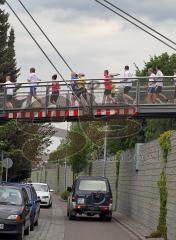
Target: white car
{"x": 44, "y": 193}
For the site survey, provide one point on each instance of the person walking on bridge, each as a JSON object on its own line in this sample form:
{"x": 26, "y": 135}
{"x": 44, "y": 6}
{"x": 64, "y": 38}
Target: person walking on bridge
{"x": 107, "y": 98}
{"x": 174, "y": 80}
{"x": 127, "y": 85}
{"x": 33, "y": 80}
{"x": 9, "y": 86}
{"x": 159, "y": 85}
{"x": 151, "y": 97}
{"x": 55, "y": 90}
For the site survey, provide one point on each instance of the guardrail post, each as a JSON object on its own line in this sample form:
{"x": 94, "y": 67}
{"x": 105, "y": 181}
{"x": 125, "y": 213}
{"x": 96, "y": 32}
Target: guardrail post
{"x": 47, "y": 98}
{"x": 91, "y": 97}
{"x": 4, "y": 99}
{"x": 138, "y": 93}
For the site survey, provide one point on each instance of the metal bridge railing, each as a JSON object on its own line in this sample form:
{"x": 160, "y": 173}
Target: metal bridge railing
{"x": 91, "y": 97}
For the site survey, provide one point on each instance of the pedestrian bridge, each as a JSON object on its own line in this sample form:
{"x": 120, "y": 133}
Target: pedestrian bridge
{"x": 89, "y": 109}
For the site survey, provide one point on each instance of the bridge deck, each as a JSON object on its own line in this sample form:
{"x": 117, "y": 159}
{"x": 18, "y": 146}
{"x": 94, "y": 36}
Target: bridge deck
{"x": 72, "y": 108}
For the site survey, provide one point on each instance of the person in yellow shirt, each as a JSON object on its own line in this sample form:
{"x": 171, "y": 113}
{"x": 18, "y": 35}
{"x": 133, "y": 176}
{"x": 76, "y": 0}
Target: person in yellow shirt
{"x": 82, "y": 86}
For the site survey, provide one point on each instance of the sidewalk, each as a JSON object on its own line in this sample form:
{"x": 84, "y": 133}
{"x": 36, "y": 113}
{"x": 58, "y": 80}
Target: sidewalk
{"x": 135, "y": 227}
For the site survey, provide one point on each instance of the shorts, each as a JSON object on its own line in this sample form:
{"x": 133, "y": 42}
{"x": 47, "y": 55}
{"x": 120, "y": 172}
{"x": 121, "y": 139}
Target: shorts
{"x": 54, "y": 96}
{"x": 33, "y": 91}
{"x": 127, "y": 89}
{"x": 9, "y": 98}
{"x": 151, "y": 90}
{"x": 107, "y": 92}
{"x": 158, "y": 89}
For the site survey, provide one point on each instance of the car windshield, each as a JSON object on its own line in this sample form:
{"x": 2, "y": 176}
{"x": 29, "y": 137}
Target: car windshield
{"x": 41, "y": 187}
{"x": 93, "y": 185}
{"x": 10, "y": 196}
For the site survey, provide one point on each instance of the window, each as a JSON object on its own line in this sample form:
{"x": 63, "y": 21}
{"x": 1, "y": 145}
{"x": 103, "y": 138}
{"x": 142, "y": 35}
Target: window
{"x": 41, "y": 187}
{"x": 25, "y": 196}
{"x": 10, "y": 196}
{"x": 93, "y": 185}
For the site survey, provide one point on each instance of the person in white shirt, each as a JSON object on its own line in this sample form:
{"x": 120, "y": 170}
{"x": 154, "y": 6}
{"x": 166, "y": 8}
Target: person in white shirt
{"x": 151, "y": 97}
{"x": 159, "y": 85}
{"x": 33, "y": 80}
{"x": 127, "y": 85}
{"x": 174, "y": 80}
{"x": 9, "y": 86}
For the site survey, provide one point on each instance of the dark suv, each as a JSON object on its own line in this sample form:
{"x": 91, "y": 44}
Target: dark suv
{"x": 90, "y": 196}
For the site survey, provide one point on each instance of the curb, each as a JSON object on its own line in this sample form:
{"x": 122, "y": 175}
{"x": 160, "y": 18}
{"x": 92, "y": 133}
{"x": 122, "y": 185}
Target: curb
{"x": 139, "y": 236}
{"x": 61, "y": 200}
{"x": 130, "y": 229}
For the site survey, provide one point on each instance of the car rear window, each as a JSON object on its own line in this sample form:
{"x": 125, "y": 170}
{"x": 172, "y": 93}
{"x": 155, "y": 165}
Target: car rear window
{"x": 40, "y": 187}
{"x": 93, "y": 185}
{"x": 10, "y": 196}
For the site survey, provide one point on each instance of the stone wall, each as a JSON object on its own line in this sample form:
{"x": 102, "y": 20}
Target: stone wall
{"x": 58, "y": 178}
{"x": 137, "y": 194}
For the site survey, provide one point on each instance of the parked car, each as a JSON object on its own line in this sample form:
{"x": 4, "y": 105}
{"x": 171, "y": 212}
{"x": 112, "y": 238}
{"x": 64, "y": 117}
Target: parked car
{"x": 35, "y": 208}
{"x": 90, "y": 196}
{"x": 14, "y": 211}
{"x": 44, "y": 193}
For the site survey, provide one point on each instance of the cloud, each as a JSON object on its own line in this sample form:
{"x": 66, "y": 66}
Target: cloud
{"x": 90, "y": 42}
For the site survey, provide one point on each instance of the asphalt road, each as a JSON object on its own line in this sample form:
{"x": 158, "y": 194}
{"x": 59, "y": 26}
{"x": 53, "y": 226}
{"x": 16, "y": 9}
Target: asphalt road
{"x": 54, "y": 225}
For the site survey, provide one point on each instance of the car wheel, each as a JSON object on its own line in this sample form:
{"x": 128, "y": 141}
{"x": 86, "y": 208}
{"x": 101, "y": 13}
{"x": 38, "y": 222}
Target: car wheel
{"x": 108, "y": 217}
{"x": 51, "y": 205}
{"x": 36, "y": 223}
{"x": 72, "y": 215}
{"x": 21, "y": 235}
{"x": 27, "y": 230}
{"x": 32, "y": 227}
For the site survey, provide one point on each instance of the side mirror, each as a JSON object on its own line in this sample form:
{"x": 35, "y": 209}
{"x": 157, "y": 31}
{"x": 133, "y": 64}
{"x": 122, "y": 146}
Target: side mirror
{"x": 29, "y": 204}
{"x": 69, "y": 189}
{"x": 51, "y": 190}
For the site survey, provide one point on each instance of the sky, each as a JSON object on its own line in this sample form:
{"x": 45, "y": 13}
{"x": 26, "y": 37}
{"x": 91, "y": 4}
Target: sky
{"x": 90, "y": 37}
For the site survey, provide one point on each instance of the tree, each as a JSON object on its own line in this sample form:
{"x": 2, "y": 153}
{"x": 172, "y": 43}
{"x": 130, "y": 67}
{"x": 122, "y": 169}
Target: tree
{"x": 23, "y": 143}
{"x": 10, "y": 57}
{"x": 7, "y": 51}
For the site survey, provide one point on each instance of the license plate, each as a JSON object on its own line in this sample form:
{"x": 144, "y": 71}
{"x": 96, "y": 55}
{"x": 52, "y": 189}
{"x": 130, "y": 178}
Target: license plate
{"x": 1, "y": 226}
{"x": 81, "y": 200}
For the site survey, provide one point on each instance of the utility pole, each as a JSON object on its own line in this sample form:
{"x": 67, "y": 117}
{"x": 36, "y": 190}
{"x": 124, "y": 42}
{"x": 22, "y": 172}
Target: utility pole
{"x": 105, "y": 150}
{"x": 1, "y": 167}
{"x": 65, "y": 173}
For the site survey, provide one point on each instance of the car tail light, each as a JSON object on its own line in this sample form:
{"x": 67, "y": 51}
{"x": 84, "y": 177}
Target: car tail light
{"x": 110, "y": 200}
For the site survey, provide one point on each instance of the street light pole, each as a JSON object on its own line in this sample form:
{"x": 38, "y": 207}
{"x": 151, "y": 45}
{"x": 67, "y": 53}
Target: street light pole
{"x": 105, "y": 150}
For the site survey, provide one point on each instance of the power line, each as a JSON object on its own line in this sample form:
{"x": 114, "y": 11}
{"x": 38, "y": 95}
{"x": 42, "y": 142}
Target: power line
{"x": 60, "y": 55}
{"x": 35, "y": 40}
{"x": 50, "y": 61}
{"x": 136, "y": 25}
{"x": 139, "y": 21}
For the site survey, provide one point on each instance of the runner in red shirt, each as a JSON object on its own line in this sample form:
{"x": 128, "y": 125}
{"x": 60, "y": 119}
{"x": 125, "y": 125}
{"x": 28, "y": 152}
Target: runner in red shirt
{"x": 107, "y": 98}
{"x": 55, "y": 90}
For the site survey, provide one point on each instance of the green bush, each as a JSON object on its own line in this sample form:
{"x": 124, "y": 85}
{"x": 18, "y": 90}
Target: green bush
{"x": 65, "y": 195}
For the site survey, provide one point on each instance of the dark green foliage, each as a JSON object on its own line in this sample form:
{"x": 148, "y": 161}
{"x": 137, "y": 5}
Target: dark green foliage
{"x": 65, "y": 195}
{"x": 7, "y": 51}
{"x": 10, "y": 57}
{"x": 23, "y": 143}
{"x": 162, "y": 185}
{"x": 167, "y": 63}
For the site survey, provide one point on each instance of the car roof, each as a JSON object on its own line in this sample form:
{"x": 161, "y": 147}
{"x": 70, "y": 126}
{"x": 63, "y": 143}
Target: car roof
{"x": 12, "y": 185}
{"x": 40, "y": 183}
{"x": 92, "y": 178}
